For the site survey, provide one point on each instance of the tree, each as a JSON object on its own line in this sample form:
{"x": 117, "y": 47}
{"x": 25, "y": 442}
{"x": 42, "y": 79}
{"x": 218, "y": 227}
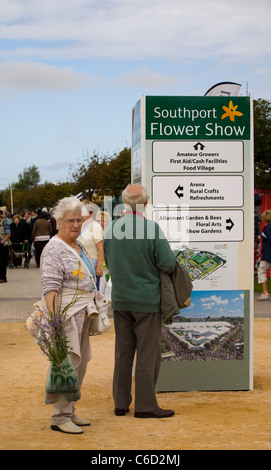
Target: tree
{"x": 90, "y": 177}
{"x": 262, "y": 144}
{"x": 45, "y": 195}
{"x": 30, "y": 178}
{"x": 104, "y": 176}
{"x": 119, "y": 173}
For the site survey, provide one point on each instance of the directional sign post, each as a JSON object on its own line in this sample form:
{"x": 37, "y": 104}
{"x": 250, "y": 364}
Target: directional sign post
{"x": 195, "y": 156}
{"x": 205, "y": 226}
{"x": 198, "y": 191}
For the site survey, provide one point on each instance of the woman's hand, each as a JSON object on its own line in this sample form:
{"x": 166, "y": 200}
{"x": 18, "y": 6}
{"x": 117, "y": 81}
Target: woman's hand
{"x": 99, "y": 270}
{"x": 51, "y": 301}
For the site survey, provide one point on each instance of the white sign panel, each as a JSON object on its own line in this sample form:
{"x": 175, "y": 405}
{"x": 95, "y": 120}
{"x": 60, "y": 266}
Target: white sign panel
{"x": 198, "y": 191}
{"x": 192, "y": 156}
{"x": 136, "y": 165}
{"x": 203, "y": 226}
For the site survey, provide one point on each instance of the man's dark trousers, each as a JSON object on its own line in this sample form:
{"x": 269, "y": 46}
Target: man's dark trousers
{"x": 140, "y": 333}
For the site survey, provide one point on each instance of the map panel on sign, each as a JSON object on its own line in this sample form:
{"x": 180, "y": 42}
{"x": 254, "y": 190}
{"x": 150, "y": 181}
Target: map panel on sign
{"x": 197, "y": 191}
{"x": 198, "y": 264}
{"x": 202, "y": 157}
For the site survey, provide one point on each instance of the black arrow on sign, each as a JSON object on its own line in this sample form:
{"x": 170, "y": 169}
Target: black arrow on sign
{"x": 229, "y": 221}
{"x": 179, "y": 191}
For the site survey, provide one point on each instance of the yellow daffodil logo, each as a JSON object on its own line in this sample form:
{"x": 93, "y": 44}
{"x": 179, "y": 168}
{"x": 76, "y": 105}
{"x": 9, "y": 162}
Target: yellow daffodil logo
{"x": 79, "y": 272}
{"x": 231, "y": 112}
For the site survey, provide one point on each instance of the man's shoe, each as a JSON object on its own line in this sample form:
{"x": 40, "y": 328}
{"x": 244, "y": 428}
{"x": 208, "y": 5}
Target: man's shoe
{"x": 121, "y": 412}
{"x": 68, "y": 428}
{"x": 81, "y": 421}
{"x": 155, "y": 414}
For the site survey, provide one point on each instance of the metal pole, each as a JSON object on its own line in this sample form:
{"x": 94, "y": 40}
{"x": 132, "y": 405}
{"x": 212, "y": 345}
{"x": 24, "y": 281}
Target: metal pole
{"x": 11, "y": 195}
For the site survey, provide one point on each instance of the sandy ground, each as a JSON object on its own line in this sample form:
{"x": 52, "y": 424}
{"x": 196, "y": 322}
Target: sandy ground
{"x": 203, "y": 420}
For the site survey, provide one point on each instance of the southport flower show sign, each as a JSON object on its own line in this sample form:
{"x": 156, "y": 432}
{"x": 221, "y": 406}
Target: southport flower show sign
{"x": 195, "y": 156}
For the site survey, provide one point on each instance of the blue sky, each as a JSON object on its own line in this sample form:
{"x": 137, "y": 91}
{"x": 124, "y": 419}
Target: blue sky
{"x": 215, "y": 304}
{"x": 71, "y": 70}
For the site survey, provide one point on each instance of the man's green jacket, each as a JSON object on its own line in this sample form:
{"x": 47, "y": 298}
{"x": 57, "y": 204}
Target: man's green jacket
{"x": 135, "y": 251}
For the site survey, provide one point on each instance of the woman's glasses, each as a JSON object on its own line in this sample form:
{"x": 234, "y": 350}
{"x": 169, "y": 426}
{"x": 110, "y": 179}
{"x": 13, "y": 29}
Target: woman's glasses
{"x": 73, "y": 221}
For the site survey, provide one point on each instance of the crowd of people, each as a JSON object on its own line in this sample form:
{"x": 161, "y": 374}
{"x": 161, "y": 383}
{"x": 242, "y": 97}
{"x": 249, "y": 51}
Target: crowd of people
{"x": 24, "y": 235}
{"x": 229, "y": 348}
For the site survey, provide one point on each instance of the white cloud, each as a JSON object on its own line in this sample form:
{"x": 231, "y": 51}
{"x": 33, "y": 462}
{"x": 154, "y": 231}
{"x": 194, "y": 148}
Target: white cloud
{"x": 208, "y": 306}
{"x": 137, "y": 29}
{"x": 57, "y": 166}
{"x": 213, "y": 300}
{"x": 237, "y": 299}
{"x": 27, "y": 75}
{"x": 144, "y": 77}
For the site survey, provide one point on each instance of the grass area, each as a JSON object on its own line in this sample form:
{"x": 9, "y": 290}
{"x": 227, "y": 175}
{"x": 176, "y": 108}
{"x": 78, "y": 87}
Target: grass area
{"x": 258, "y": 287}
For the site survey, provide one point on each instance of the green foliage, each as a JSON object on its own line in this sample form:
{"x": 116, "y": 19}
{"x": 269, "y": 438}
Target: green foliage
{"x": 262, "y": 144}
{"x": 99, "y": 175}
{"x": 104, "y": 176}
{"x": 119, "y": 172}
{"x": 90, "y": 176}
{"x": 45, "y": 195}
{"x": 30, "y": 178}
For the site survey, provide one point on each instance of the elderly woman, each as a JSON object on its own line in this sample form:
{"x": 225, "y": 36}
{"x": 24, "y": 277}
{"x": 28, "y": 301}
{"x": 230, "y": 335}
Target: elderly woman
{"x": 91, "y": 237}
{"x": 62, "y": 257}
{"x": 103, "y": 218}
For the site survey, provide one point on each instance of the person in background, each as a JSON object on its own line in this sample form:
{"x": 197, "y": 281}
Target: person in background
{"x": 53, "y": 223}
{"x": 135, "y": 251}
{"x": 26, "y": 221}
{"x": 41, "y": 234}
{"x": 19, "y": 235}
{"x": 4, "y": 246}
{"x": 89, "y": 212}
{"x": 8, "y": 216}
{"x": 34, "y": 217}
{"x": 265, "y": 262}
{"x": 91, "y": 237}
{"x": 103, "y": 218}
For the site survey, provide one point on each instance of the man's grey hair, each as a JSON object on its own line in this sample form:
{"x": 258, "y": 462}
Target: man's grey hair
{"x": 67, "y": 204}
{"x": 135, "y": 196}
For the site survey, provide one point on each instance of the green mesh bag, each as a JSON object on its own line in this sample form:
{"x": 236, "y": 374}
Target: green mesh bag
{"x": 62, "y": 383}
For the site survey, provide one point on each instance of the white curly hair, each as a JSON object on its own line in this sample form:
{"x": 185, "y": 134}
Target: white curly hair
{"x": 67, "y": 204}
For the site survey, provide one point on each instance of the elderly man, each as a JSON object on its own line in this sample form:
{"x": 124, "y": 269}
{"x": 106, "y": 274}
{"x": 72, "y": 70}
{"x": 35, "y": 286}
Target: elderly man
{"x": 135, "y": 251}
